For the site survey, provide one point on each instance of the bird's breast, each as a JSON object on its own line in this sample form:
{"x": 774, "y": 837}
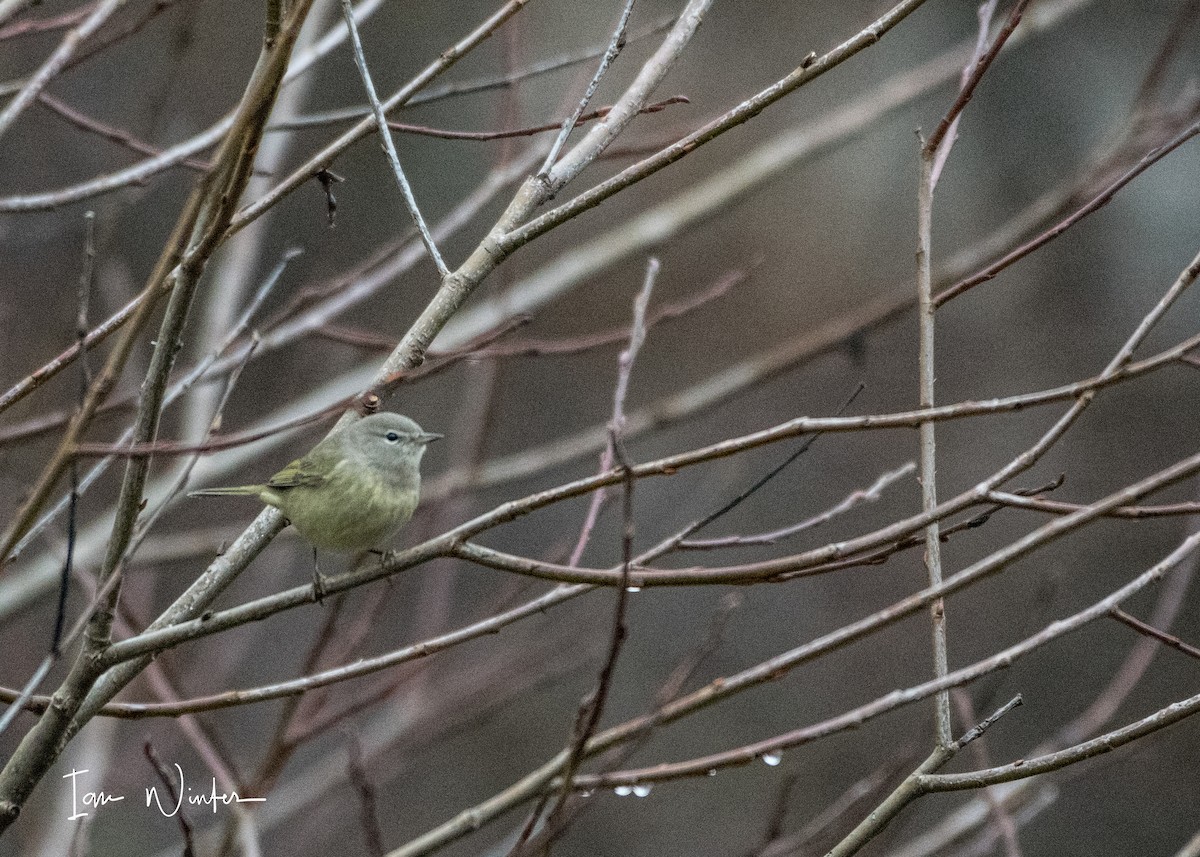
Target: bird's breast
{"x": 353, "y": 509}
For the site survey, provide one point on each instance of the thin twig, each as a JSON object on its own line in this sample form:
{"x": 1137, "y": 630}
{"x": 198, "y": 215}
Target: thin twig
{"x": 482, "y": 84}
{"x": 855, "y": 718}
{"x": 971, "y": 74}
{"x": 111, "y": 132}
{"x": 84, "y": 292}
{"x": 982, "y": 62}
{"x": 1059, "y": 507}
{"x": 976, "y": 732}
{"x": 1150, "y": 631}
{"x": 85, "y": 382}
{"x": 590, "y": 711}
{"x": 485, "y": 136}
{"x": 388, "y": 144}
{"x": 626, "y": 360}
{"x": 176, "y": 800}
{"x": 367, "y": 804}
{"x": 930, "y": 156}
{"x": 615, "y": 45}
{"x": 905, "y": 793}
{"x": 24, "y": 699}
{"x": 933, "y": 155}
{"x": 759, "y": 483}
{"x": 1004, "y": 823}
{"x": 1094, "y": 204}
{"x": 56, "y": 61}
{"x": 856, "y": 498}
{"x": 185, "y": 473}
{"x": 176, "y": 390}
{"x": 870, "y": 35}
{"x": 41, "y": 25}
{"x": 1024, "y": 768}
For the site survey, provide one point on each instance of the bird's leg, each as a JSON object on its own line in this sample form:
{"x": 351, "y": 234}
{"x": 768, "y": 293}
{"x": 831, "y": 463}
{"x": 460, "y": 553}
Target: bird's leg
{"x": 318, "y": 581}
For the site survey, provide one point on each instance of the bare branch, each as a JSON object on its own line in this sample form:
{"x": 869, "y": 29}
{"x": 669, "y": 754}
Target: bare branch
{"x": 615, "y": 46}
{"x": 1154, "y": 633}
{"x": 1105, "y": 743}
{"x": 389, "y": 145}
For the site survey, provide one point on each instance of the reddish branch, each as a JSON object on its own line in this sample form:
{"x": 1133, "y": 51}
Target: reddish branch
{"x": 46, "y": 25}
{"x": 1150, "y": 631}
{"x": 971, "y": 81}
{"x": 1097, "y": 202}
{"x": 111, "y": 132}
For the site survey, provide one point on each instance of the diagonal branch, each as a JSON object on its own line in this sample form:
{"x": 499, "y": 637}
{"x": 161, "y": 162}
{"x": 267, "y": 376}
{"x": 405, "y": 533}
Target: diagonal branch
{"x": 389, "y": 145}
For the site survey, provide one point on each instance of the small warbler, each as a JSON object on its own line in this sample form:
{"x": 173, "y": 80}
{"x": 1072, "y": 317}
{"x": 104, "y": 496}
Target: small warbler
{"x": 352, "y": 490}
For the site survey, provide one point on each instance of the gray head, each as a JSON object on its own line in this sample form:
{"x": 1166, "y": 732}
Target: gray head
{"x": 389, "y": 442}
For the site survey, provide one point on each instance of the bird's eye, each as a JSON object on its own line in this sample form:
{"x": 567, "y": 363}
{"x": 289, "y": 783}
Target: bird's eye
{"x": 391, "y": 437}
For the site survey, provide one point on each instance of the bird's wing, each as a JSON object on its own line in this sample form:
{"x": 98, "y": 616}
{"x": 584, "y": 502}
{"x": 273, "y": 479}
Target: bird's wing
{"x": 299, "y": 472}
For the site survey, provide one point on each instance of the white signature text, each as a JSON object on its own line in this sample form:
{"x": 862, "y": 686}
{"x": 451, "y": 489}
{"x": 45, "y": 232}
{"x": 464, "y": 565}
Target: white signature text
{"x": 167, "y": 801}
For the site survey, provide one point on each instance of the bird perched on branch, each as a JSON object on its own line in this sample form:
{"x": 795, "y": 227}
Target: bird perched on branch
{"x": 351, "y": 491}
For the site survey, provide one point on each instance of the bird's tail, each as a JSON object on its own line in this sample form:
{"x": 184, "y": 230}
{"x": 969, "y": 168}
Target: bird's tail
{"x": 236, "y": 490}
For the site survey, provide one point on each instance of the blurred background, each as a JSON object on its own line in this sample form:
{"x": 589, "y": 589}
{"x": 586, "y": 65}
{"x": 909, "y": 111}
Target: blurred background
{"x": 818, "y": 241}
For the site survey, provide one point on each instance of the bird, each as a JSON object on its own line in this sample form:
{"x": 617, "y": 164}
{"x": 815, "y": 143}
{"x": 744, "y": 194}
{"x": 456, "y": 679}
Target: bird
{"x": 350, "y": 492}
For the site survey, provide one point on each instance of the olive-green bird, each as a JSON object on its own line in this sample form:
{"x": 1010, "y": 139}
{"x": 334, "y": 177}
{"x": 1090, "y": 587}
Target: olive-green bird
{"x": 351, "y": 491}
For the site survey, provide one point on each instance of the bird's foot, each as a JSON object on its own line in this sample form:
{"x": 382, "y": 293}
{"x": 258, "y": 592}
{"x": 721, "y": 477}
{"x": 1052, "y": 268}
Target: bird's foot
{"x": 318, "y": 580}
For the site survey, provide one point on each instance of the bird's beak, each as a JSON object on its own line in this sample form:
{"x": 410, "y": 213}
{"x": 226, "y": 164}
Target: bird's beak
{"x": 428, "y": 437}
